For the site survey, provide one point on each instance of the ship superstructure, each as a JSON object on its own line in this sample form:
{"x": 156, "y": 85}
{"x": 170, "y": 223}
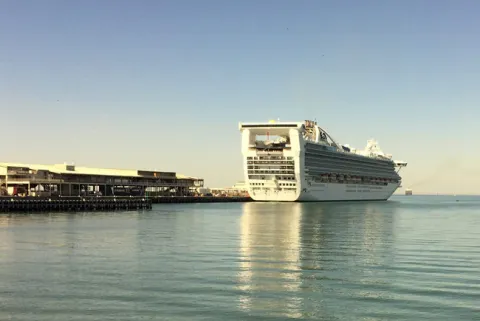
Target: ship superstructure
{"x": 300, "y": 161}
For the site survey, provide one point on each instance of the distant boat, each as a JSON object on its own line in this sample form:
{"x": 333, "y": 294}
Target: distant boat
{"x": 408, "y": 191}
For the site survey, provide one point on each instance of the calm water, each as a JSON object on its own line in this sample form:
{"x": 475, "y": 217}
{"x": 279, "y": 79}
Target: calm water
{"x": 411, "y": 258}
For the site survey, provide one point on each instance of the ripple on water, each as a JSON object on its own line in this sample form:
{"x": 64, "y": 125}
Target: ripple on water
{"x": 410, "y": 259}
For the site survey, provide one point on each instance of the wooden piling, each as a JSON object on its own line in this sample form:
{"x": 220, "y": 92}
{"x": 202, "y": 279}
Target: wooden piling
{"x": 90, "y": 204}
{"x": 75, "y": 204}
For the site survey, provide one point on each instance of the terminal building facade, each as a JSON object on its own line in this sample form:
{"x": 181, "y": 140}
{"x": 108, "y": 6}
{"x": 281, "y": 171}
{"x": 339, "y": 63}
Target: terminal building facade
{"x": 71, "y": 180}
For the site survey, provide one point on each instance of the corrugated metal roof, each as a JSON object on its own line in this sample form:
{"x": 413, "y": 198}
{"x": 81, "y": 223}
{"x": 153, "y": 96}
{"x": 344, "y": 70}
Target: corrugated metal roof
{"x": 80, "y": 170}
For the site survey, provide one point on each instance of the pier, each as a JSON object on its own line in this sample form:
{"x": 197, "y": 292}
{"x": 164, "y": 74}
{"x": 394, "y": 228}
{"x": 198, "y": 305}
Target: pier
{"x": 92, "y": 204}
{"x": 65, "y": 188}
{"x": 72, "y": 204}
{"x": 201, "y": 199}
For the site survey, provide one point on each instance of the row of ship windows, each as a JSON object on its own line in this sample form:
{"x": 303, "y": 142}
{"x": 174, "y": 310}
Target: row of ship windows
{"x": 339, "y": 157}
{"x": 351, "y": 182}
{"x": 354, "y": 172}
{"x": 271, "y": 162}
{"x": 350, "y": 170}
{"x": 270, "y": 157}
{"x": 356, "y": 179}
{"x": 254, "y": 171}
{"x": 280, "y": 178}
{"x": 344, "y": 163}
{"x": 269, "y": 167}
{"x": 358, "y": 174}
{"x": 269, "y": 151}
{"x": 280, "y": 184}
{"x": 283, "y": 188}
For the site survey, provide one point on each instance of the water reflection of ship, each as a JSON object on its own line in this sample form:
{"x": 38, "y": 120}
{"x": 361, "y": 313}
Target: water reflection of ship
{"x": 291, "y": 250}
{"x": 346, "y": 243}
{"x": 344, "y": 231}
{"x": 270, "y": 249}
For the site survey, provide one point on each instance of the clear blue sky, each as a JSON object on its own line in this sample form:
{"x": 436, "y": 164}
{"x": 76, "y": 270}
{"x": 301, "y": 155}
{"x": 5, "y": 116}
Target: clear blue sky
{"x": 163, "y": 84}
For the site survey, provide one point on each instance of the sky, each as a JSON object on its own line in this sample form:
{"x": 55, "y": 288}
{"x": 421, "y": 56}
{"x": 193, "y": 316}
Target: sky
{"x": 163, "y": 84}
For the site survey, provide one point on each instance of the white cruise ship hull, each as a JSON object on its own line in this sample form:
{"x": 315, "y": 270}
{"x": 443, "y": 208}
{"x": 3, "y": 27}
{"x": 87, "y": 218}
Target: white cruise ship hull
{"x": 299, "y": 162}
{"x": 325, "y": 192}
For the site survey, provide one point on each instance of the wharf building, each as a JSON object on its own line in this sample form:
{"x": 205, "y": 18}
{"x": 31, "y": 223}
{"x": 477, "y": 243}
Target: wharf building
{"x": 70, "y": 180}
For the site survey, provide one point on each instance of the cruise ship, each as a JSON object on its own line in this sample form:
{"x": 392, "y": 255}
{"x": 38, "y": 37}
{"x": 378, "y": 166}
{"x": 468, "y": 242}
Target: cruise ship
{"x": 300, "y": 161}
